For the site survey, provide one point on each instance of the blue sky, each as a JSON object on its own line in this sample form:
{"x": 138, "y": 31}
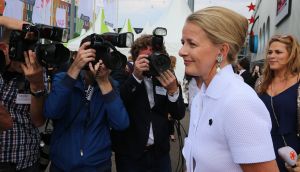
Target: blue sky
{"x": 141, "y": 11}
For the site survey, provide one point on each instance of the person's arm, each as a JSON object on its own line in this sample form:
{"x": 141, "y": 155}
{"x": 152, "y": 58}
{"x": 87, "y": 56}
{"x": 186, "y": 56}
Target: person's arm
{"x": 34, "y": 74}
{"x": 176, "y": 104}
{"x": 130, "y": 87}
{"x": 116, "y": 112}
{"x": 247, "y": 131}
{"x": 63, "y": 83}
{"x": 11, "y": 23}
{"x": 270, "y": 166}
{"x": 294, "y": 169}
{"x": 5, "y": 119}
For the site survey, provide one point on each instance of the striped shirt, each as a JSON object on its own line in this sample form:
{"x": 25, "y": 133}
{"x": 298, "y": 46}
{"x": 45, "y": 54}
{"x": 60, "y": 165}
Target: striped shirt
{"x": 19, "y": 145}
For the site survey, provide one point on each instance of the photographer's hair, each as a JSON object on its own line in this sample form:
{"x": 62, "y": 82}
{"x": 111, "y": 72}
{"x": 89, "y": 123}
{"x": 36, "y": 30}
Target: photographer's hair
{"x": 293, "y": 64}
{"x": 86, "y": 39}
{"x": 142, "y": 43}
{"x": 222, "y": 26}
{"x": 5, "y": 35}
{"x": 244, "y": 63}
{"x": 173, "y": 62}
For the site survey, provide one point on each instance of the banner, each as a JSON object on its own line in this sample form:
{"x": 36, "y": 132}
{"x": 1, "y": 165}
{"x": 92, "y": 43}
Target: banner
{"x": 110, "y": 10}
{"x": 61, "y": 17}
{"x": 31, "y": 2}
{"x": 42, "y": 12}
{"x": 86, "y": 8}
{"x": 14, "y": 9}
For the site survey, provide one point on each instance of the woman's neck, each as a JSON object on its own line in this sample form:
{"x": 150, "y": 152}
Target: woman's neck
{"x": 281, "y": 75}
{"x": 212, "y": 74}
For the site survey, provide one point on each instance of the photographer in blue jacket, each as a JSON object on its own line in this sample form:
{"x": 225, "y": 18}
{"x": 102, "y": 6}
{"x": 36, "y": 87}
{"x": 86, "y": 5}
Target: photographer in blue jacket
{"x": 84, "y": 105}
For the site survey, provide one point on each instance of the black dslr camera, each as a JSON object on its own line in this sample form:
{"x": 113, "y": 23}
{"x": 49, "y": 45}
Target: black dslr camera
{"x": 34, "y": 37}
{"x": 104, "y": 45}
{"x": 158, "y": 61}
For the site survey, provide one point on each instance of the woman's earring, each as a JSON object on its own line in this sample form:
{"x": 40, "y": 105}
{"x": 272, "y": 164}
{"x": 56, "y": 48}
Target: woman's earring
{"x": 219, "y": 61}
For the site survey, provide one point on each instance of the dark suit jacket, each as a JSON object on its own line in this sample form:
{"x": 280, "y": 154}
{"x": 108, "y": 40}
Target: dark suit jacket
{"x": 132, "y": 141}
{"x": 248, "y": 78}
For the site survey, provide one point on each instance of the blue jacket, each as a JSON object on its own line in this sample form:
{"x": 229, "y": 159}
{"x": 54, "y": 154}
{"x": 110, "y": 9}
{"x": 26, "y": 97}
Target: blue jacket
{"x": 86, "y": 145}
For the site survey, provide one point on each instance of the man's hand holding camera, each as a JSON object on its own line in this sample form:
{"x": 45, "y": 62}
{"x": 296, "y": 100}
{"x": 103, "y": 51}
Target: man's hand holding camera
{"x": 84, "y": 56}
{"x": 101, "y": 74}
{"x": 168, "y": 81}
{"x": 33, "y": 71}
{"x": 141, "y": 65}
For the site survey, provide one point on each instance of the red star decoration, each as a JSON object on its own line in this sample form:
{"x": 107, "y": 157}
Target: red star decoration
{"x": 251, "y": 33}
{"x": 251, "y": 7}
{"x": 292, "y": 155}
{"x": 251, "y": 20}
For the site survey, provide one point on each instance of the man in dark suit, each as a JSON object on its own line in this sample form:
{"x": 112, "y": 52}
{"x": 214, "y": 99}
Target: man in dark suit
{"x": 145, "y": 146}
{"x": 244, "y": 67}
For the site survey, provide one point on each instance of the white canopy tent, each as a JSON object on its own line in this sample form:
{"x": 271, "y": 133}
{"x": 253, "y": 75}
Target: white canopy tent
{"x": 127, "y": 27}
{"x": 173, "y": 20}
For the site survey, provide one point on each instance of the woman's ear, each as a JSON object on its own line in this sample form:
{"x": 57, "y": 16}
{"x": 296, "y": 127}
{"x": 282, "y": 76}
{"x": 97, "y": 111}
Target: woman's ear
{"x": 224, "y": 49}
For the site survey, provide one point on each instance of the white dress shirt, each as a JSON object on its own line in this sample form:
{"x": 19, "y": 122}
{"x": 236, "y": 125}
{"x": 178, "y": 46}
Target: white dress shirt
{"x": 150, "y": 93}
{"x": 229, "y": 125}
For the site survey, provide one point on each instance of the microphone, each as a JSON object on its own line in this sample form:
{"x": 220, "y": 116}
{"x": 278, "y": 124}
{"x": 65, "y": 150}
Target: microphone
{"x": 289, "y": 155}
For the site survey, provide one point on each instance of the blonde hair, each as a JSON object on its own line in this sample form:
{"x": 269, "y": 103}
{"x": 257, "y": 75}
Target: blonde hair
{"x": 293, "y": 64}
{"x": 222, "y": 26}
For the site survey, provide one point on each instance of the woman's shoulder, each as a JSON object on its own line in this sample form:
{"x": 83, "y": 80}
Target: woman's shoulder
{"x": 241, "y": 93}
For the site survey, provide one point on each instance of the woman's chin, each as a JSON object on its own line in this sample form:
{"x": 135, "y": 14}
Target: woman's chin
{"x": 189, "y": 72}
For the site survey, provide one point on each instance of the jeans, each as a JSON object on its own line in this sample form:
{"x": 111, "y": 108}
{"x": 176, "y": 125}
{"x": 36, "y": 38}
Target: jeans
{"x": 149, "y": 162}
{"x": 10, "y": 167}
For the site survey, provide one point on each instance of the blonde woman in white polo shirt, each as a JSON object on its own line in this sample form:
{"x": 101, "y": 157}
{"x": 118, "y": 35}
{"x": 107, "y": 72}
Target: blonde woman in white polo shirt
{"x": 230, "y": 126}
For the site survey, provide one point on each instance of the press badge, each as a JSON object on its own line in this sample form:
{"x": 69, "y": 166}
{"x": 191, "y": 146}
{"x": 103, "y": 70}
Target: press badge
{"x": 160, "y": 90}
{"x": 23, "y": 99}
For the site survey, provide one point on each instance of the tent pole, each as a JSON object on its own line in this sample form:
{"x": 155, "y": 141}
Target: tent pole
{"x": 72, "y": 16}
{"x": 191, "y": 4}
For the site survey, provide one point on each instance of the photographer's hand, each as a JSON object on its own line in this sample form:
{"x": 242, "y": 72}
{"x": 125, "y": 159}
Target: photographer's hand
{"x": 11, "y": 23}
{"x": 295, "y": 169}
{"x": 168, "y": 81}
{"x": 84, "y": 56}
{"x": 101, "y": 74}
{"x": 140, "y": 65}
{"x": 33, "y": 71}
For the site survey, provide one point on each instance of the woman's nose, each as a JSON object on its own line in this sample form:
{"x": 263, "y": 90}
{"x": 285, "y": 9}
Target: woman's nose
{"x": 182, "y": 52}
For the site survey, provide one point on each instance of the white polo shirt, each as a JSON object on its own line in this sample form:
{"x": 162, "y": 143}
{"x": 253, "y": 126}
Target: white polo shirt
{"x": 229, "y": 125}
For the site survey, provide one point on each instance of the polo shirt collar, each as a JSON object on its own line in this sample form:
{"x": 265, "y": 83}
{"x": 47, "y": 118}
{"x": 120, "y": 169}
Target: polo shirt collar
{"x": 219, "y": 83}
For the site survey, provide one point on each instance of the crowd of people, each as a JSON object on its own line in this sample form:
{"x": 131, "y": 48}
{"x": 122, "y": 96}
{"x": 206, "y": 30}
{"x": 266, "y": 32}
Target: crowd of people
{"x": 238, "y": 118}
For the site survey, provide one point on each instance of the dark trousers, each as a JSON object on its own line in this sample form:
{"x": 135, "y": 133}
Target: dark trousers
{"x": 149, "y": 162}
{"x": 171, "y": 124}
{"x": 106, "y": 167}
{"x": 10, "y": 167}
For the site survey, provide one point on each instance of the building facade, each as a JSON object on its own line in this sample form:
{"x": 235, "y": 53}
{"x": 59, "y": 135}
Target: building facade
{"x": 274, "y": 17}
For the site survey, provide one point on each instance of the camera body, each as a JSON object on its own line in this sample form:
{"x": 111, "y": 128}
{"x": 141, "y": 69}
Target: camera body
{"x": 158, "y": 61}
{"x": 104, "y": 44}
{"x": 44, "y": 40}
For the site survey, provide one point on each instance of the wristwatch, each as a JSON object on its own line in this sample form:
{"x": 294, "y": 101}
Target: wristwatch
{"x": 39, "y": 93}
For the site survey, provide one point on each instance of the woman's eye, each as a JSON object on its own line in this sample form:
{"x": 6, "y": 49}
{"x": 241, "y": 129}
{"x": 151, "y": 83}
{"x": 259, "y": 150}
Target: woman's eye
{"x": 193, "y": 44}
